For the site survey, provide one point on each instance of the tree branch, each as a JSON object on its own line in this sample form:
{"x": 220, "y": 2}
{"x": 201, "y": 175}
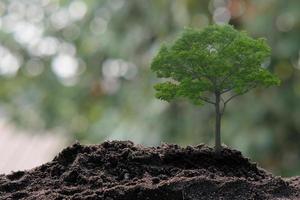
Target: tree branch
{"x": 222, "y": 99}
{"x": 226, "y": 90}
{"x": 223, "y": 109}
{"x": 235, "y": 95}
{"x": 233, "y": 69}
{"x": 207, "y": 100}
{"x": 227, "y": 100}
{"x": 224, "y": 105}
{"x": 224, "y": 47}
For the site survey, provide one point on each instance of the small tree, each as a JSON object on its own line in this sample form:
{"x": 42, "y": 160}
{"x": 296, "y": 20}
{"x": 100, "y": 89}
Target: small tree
{"x": 210, "y": 65}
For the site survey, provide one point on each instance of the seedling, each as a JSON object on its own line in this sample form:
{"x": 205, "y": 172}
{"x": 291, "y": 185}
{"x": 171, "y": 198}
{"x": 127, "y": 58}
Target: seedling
{"x": 212, "y": 66}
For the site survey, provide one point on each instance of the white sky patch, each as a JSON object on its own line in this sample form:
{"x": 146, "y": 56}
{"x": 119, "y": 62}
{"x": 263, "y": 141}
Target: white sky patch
{"x": 60, "y": 18}
{"x": 67, "y": 48}
{"x": 220, "y": 3}
{"x": 266, "y": 63}
{"x": 299, "y": 59}
{"x": 103, "y": 13}
{"x": 34, "y": 67}
{"x": 35, "y": 13}
{"x": 114, "y": 68}
{"x": 17, "y": 9}
{"x": 9, "y": 23}
{"x": 2, "y": 8}
{"x": 296, "y": 62}
{"x": 9, "y": 63}
{"x": 110, "y": 85}
{"x": 116, "y": 4}
{"x": 221, "y": 15}
{"x": 71, "y": 32}
{"x": 211, "y": 49}
{"x": 131, "y": 72}
{"x": 65, "y": 66}
{"x": 25, "y": 32}
{"x": 77, "y": 9}
{"x": 98, "y": 25}
{"x": 285, "y": 22}
{"x": 81, "y": 66}
{"x": 111, "y": 68}
{"x": 44, "y": 2}
{"x": 47, "y": 46}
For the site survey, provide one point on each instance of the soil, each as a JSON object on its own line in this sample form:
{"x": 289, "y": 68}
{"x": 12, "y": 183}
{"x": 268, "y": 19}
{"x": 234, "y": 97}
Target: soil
{"x": 123, "y": 171}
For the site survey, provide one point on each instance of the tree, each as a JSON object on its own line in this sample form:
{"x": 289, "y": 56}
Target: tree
{"x": 212, "y": 66}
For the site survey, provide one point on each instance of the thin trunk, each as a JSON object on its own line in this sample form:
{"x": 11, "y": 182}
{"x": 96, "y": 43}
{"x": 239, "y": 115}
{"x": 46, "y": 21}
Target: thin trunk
{"x": 218, "y": 146}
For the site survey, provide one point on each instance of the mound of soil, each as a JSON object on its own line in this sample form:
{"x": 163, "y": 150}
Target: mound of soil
{"x": 123, "y": 171}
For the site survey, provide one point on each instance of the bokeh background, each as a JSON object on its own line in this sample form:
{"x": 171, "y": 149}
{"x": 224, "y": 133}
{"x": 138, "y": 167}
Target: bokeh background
{"x": 80, "y": 70}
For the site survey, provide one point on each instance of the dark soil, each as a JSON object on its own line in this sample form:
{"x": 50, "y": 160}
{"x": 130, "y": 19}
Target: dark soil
{"x": 122, "y": 171}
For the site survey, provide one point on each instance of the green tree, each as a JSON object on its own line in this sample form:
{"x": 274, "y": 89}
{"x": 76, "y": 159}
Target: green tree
{"x": 213, "y": 66}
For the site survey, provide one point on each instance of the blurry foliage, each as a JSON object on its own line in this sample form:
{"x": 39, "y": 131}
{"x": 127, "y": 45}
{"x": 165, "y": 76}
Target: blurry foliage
{"x": 82, "y": 67}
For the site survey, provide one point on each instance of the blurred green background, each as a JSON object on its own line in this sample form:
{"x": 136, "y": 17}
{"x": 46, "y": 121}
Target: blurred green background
{"x": 82, "y": 68}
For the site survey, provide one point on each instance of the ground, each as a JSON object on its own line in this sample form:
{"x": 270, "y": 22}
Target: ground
{"x": 123, "y": 171}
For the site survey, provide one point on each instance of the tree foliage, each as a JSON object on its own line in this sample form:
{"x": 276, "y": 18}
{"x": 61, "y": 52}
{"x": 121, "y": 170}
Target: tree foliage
{"x": 218, "y": 59}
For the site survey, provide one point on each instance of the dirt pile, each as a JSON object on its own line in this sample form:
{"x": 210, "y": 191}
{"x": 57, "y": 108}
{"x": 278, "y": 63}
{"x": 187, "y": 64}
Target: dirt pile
{"x": 122, "y": 171}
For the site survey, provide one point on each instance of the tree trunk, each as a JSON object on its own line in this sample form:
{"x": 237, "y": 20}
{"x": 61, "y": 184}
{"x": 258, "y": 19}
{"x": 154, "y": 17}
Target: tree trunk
{"x": 218, "y": 146}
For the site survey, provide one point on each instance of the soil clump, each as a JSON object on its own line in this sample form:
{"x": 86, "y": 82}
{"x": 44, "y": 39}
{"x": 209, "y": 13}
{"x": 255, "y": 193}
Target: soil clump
{"x": 120, "y": 170}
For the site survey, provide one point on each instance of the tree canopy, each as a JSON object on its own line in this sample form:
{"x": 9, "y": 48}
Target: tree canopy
{"x": 217, "y": 59}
